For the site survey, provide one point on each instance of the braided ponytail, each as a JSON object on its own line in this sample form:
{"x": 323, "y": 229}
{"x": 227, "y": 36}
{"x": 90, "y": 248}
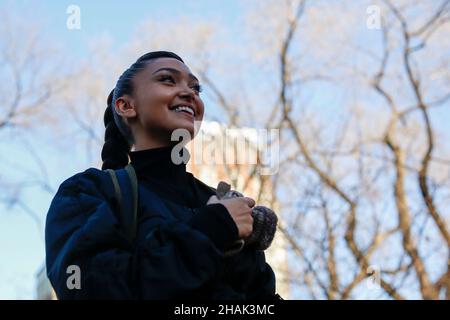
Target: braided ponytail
{"x": 115, "y": 149}
{"x": 118, "y": 135}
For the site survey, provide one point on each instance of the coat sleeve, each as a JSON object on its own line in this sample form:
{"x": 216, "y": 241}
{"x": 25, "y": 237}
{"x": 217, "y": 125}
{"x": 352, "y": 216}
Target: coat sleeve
{"x": 251, "y": 275}
{"x": 175, "y": 260}
{"x": 247, "y": 275}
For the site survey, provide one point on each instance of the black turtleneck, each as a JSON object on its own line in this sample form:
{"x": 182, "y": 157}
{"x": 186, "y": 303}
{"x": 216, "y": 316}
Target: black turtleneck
{"x": 156, "y": 170}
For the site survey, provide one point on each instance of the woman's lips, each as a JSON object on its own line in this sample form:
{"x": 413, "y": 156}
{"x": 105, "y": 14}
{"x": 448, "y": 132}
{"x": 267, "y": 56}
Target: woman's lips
{"x": 186, "y": 115}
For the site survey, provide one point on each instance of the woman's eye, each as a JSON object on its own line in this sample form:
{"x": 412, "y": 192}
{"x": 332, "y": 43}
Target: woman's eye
{"x": 197, "y": 88}
{"x": 164, "y": 78}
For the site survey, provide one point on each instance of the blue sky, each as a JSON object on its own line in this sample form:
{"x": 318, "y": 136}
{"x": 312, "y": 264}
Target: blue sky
{"x": 118, "y": 19}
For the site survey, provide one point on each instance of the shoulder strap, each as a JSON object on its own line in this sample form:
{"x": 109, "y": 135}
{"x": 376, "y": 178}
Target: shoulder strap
{"x": 126, "y": 194}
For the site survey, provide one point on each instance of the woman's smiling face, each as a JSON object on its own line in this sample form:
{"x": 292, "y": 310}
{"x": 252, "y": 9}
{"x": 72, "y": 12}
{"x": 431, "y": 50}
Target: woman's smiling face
{"x": 166, "y": 97}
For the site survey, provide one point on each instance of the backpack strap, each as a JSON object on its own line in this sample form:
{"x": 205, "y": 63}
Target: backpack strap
{"x": 126, "y": 194}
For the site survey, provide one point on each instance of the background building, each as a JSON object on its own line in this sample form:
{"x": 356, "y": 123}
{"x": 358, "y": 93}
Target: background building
{"x": 44, "y": 290}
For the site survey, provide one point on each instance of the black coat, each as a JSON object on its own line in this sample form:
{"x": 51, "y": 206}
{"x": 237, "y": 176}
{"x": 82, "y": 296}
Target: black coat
{"x": 180, "y": 240}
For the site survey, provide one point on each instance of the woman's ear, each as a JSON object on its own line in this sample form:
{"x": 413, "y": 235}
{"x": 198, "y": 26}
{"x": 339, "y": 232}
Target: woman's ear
{"x": 125, "y": 107}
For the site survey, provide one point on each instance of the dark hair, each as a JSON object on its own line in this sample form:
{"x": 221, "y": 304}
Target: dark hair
{"x": 118, "y": 136}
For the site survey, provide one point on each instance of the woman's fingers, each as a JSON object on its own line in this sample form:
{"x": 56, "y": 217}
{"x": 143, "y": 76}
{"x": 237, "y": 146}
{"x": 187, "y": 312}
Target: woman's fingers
{"x": 250, "y": 202}
{"x": 212, "y": 200}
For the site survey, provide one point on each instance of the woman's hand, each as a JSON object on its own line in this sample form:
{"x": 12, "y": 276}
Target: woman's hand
{"x": 240, "y": 210}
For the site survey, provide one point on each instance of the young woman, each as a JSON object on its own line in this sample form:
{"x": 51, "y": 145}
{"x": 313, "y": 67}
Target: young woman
{"x": 183, "y": 230}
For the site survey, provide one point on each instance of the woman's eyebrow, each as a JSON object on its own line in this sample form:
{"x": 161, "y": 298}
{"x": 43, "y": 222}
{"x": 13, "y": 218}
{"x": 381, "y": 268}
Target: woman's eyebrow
{"x": 176, "y": 71}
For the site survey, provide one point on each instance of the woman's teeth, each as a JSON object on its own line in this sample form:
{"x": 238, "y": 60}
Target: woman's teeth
{"x": 184, "y": 108}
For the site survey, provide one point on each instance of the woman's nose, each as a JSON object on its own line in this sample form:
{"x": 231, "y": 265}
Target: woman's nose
{"x": 187, "y": 93}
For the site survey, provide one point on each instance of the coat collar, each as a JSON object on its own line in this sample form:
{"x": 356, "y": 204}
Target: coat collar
{"x": 157, "y": 164}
